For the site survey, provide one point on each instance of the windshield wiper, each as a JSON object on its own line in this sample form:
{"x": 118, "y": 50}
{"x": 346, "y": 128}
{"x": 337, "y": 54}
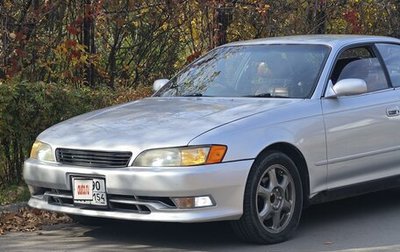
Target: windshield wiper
{"x": 267, "y": 95}
{"x": 195, "y": 95}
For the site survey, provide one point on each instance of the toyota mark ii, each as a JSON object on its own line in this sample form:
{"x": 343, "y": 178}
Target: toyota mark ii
{"x": 251, "y": 133}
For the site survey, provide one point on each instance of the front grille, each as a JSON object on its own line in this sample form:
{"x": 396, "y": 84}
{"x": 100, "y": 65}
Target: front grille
{"x": 93, "y": 158}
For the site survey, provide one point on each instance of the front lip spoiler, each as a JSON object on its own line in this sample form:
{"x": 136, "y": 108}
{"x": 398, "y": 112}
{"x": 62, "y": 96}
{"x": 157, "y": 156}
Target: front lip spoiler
{"x": 165, "y": 215}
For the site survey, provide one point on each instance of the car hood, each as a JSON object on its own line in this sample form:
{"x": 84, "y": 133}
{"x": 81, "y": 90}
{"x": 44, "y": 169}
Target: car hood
{"x": 153, "y": 122}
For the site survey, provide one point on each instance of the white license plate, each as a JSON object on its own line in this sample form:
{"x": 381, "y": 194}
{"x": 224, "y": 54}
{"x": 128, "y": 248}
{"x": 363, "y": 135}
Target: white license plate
{"x": 89, "y": 191}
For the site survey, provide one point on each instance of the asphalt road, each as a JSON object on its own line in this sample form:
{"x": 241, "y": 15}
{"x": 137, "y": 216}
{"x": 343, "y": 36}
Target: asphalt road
{"x": 367, "y": 223}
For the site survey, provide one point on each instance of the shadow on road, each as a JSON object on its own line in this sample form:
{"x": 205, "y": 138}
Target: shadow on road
{"x": 353, "y": 223}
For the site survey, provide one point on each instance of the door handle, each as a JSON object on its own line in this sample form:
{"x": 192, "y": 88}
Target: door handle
{"x": 393, "y": 111}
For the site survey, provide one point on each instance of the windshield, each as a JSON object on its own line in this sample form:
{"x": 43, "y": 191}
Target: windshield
{"x": 289, "y": 71}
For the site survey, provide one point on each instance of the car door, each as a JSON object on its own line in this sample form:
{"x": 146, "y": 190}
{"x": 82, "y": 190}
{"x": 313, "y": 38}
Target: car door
{"x": 362, "y": 134}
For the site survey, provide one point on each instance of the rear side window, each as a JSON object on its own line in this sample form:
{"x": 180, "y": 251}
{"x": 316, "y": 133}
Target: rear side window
{"x": 360, "y": 63}
{"x": 391, "y": 57}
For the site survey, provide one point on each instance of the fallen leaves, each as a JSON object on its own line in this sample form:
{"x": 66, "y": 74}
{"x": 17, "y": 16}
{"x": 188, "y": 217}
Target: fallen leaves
{"x": 27, "y": 219}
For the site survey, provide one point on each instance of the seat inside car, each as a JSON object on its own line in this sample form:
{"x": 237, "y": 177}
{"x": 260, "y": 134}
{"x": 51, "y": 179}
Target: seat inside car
{"x": 367, "y": 69}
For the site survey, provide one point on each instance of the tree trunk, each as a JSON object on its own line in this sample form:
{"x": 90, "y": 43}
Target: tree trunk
{"x": 223, "y": 15}
{"x": 88, "y": 40}
{"x": 318, "y": 19}
{"x": 111, "y": 64}
{"x": 4, "y": 42}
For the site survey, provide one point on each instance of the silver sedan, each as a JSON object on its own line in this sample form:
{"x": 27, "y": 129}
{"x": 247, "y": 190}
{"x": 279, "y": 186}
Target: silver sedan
{"x": 252, "y": 133}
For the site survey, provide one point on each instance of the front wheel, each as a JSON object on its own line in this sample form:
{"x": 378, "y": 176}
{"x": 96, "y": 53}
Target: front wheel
{"x": 273, "y": 200}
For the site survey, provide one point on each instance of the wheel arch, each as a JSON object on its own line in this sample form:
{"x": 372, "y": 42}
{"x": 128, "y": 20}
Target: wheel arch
{"x": 295, "y": 154}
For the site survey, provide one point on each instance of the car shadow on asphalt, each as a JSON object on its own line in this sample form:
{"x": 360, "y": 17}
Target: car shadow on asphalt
{"x": 185, "y": 236}
{"x": 319, "y": 223}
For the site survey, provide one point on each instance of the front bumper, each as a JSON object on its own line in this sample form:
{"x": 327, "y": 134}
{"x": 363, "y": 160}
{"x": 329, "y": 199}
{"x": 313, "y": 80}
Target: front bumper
{"x": 141, "y": 192}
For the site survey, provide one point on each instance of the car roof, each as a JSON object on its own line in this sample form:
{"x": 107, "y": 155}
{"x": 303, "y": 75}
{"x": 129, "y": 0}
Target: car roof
{"x": 332, "y": 40}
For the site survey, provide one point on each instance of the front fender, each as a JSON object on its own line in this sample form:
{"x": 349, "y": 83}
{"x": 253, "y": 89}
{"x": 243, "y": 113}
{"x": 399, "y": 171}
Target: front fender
{"x": 303, "y": 128}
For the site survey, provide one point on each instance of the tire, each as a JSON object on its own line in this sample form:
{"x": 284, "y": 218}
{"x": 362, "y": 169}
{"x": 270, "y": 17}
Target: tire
{"x": 273, "y": 200}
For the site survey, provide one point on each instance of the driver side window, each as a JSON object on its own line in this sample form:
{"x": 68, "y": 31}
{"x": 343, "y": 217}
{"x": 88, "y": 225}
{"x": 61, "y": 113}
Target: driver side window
{"x": 360, "y": 63}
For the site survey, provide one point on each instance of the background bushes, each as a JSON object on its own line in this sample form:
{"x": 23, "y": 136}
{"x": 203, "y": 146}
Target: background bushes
{"x": 26, "y": 109}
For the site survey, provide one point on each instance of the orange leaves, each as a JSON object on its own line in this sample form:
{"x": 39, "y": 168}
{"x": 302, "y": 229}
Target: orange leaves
{"x": 13, "y": 68}
{"x": 72, "y": 51}
{"x": 352, "y": 17}
{"x": 20, "y": 53}
{"x": 193, "y": 56}
{"x": 75, "y": 27}
{"x": 17, "y": 36}
{"x": 73, "y": 56}
{"x": 69, "y": 43}
{"x": 120, "y": 21}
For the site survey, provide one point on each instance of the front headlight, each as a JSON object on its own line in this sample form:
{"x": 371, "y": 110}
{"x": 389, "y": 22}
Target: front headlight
{"x": 42, "y": 151}
{"x": 181, "y": 156}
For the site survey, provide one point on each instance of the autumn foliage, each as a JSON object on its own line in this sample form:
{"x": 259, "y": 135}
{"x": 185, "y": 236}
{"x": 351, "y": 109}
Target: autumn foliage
{"x": 130, "y": 43}
{"x": 61, "y": 58}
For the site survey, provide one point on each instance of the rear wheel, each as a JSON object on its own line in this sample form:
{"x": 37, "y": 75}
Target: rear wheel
{"x": 273, "y": 200}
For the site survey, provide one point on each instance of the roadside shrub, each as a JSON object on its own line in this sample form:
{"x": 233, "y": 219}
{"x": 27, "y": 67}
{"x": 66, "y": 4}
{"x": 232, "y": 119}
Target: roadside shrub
{"x": 126, "y": 94}
{"x": 26, "y": 109}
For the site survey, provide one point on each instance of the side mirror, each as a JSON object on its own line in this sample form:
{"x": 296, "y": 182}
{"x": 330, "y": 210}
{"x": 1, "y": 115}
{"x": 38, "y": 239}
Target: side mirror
{"x": 158, "y": 84}
{"x": 346, "y": 87}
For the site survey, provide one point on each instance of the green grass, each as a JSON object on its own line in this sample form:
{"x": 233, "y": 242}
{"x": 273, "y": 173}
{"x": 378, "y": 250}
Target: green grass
{"x": 13, "y": 194}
